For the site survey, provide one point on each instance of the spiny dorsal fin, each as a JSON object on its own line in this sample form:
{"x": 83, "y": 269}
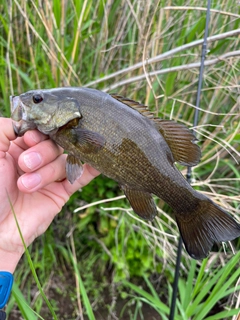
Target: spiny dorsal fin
{"x": 181, "y": 142}
{"x": 141, "y": 108}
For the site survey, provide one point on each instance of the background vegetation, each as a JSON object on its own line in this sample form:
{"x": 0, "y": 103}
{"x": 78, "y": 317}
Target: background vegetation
{"x": 101, "y": 261}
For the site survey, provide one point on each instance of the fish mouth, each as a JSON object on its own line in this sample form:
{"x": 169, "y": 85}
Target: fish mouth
{"x": 19, "y": 115}
{"x": 18, "y": 109}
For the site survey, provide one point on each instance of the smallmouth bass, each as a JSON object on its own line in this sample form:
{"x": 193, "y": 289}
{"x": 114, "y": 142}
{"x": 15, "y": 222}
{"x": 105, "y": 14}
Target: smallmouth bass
{"x": 124, "y": 141}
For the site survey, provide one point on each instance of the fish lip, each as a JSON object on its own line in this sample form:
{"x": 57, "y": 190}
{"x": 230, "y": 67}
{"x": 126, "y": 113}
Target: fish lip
{"x": 18, "y": 109}
{"x": 16, "y": 128}
{"x": 19, "y": 116}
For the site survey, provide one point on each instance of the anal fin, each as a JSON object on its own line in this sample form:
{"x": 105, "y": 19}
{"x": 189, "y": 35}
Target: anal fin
{"x": 141, "y": 202}
{"x": 74, "y": 168}
{"x": 181, "y": 142}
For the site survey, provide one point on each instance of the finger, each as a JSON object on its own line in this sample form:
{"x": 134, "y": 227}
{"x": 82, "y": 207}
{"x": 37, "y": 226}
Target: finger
{"x": 7, "y": 134}
{"x": 17, "y": 147}
{"x": 89, "y": 173}
{"x": 30, "y": 182}
{"x": 39, "y": 155}
{"x": 30, "y": 138}
{"x": 33, "y": 137}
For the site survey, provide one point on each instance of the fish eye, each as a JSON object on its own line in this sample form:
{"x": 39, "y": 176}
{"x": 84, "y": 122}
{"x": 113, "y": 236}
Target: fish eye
{"x": 37, "y": 98}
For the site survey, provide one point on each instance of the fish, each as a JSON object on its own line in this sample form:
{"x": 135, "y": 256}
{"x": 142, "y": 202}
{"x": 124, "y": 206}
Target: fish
{"x": 123, "y": 140}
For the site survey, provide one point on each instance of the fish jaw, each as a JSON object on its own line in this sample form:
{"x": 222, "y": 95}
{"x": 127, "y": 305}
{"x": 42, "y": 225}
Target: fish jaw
{"x": 23, "y": 126}
{"x": 19, "y": 115}
{"x": 18, "y": 109}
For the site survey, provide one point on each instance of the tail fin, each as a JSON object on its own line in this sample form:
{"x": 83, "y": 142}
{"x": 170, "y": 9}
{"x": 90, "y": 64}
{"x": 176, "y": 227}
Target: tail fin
{"x": 208, "y": 224}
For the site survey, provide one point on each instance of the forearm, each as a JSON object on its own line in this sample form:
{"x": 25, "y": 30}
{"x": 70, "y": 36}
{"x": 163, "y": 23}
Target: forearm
{"x": 9, "y": 260}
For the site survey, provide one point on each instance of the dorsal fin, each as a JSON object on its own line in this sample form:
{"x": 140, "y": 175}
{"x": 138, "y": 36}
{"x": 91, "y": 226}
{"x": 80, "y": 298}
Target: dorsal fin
{"x": 181, "y": 141}
{"x": 179, "y": 138}
{"x": 141, "y": 108}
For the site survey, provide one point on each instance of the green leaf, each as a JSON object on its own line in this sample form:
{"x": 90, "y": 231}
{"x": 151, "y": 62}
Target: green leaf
{"x": 153, "y": 300}
{"x": 26, "y": 311}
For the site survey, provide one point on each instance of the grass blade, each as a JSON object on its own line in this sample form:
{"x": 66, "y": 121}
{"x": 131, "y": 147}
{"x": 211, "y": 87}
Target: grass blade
{"x": 83, "y": 292}
{"x": 31, "y": 263}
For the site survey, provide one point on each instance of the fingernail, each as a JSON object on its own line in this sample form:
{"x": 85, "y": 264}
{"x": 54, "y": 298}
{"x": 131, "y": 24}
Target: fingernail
{"x": 30, "y": 181}
{"x": 32, "y": 160}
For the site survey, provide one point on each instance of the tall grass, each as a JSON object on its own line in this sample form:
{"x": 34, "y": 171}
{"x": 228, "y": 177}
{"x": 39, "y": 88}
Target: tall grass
{"x": 148, "y": 51}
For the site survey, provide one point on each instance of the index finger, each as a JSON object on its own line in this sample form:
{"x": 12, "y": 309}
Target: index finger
{"x": 30, "y": 139}
{"x": 33, "y": 137}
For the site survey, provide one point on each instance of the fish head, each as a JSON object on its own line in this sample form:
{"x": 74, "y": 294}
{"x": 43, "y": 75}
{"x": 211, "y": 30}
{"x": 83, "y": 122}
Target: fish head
{"x": 44, "y": 110}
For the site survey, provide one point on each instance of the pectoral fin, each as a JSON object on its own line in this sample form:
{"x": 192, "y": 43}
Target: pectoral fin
{"x": 141, "y": 202}
{"x": 89, "y": 141}
{"x": 181, "y": 142}
{"x": 74, "y": 168}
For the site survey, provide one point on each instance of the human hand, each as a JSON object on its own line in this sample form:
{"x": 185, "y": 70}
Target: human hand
{"x": 32, "y": 173}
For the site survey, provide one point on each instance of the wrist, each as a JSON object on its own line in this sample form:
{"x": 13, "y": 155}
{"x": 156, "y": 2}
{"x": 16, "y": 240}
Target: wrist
{"x": 9, "y": 260}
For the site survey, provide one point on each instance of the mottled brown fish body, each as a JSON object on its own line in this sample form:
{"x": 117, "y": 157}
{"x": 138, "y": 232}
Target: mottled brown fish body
{"x": 130, "y": 155}
{"x": 116, "y": 136}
